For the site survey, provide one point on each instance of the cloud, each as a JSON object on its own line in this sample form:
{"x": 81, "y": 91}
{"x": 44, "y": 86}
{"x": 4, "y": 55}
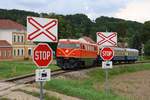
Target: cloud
{"x": 33, "y": 4}
{"x": 127, "y": 9}
{"x": 93, "y": 8}
{"x": 137, "y": 10}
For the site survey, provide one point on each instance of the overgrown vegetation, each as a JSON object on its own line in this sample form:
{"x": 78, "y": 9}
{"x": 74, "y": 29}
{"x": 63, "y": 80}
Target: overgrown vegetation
{"x": 85, "y": 88}
{"x": 10, "y": 69}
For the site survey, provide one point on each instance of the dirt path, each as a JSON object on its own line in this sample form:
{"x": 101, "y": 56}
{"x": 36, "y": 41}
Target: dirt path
{"x": 135, "y": 85}
{"x": 7, "y": 91}
{"x": 17, "y": 95}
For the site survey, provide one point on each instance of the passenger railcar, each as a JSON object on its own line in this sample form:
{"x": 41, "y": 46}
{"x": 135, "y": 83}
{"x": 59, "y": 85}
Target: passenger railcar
{"x": 123, "y": 55}
{"x": 131, "y": 55}
{"x": 74, "y": 53}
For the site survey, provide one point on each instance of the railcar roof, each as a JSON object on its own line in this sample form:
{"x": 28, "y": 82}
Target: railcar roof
{"x": 129, "y": 49}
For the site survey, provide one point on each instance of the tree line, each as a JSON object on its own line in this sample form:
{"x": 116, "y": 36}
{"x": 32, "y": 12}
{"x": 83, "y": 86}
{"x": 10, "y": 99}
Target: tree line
{"x": 78, "y": 25}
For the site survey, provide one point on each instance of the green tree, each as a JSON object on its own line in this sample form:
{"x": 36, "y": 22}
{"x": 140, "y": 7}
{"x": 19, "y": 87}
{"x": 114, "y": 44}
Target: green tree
{"x": 147, "y": 48}
{"x": 145, "y": 35}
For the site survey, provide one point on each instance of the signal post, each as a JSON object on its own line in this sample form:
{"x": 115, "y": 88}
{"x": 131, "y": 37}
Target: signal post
{"x": 107, "y": 54}
{"x": 105, "y": 40}
{"x": 42, "y": 30}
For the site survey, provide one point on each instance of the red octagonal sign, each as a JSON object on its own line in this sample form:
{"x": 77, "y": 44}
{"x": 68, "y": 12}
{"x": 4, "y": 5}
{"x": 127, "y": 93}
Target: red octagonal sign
{"x": 43, "y": 55}
{"x": 107, "y": 53}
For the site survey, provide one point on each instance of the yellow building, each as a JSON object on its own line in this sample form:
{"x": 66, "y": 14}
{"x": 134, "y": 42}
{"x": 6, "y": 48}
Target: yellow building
{"x": 22, "y": 49}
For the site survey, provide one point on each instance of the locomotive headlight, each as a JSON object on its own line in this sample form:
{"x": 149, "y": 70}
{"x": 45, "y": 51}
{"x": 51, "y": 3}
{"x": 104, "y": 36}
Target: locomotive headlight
{"x": 67, "y": 51}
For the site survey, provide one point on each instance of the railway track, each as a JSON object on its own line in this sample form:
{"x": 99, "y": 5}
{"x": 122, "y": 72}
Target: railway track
{"x": 30, "y": 78}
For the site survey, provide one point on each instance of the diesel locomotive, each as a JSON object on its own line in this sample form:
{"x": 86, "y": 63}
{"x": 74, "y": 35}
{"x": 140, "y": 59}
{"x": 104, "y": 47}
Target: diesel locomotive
{"x": 72, "y": 53}
{"x": 77, "y": 53}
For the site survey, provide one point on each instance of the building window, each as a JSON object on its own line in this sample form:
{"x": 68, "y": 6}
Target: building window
{"x": 18, "y": 52}
{"x": 14, "y": 38}
{"x": 5, "y": 53}
{"x": 14, "y": 52}
{"x": 22, "y": 52}
{"x": 18, "y": 38}
{"x": 22, "y": 38}
{"x": 9, "y": 53}
{"x": 30, "y": 52}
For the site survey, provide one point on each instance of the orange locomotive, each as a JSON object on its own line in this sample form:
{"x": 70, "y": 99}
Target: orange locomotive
{"x": 74, "y": 53}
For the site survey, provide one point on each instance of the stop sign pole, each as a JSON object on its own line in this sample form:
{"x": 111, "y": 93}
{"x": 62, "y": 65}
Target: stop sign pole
{"x": 107, "y": 54}
{"x": 42, "y": 57}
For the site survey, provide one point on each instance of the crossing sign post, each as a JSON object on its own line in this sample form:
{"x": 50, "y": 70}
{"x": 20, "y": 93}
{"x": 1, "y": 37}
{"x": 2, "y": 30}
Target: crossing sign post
{"x": 42, "y": 29}
{"x": 42, "y": 57}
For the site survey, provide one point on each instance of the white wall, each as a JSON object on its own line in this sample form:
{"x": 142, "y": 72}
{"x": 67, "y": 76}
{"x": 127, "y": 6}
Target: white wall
{"x": 6, "y": 34}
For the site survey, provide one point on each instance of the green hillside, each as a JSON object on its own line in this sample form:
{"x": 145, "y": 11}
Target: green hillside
{"x": 77, "y": 25}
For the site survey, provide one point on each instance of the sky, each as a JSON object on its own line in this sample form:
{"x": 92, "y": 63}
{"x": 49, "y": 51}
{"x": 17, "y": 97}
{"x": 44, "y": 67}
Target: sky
{"x": 135, "y": 10}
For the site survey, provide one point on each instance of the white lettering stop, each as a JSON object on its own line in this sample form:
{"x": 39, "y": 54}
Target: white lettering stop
{"x": 42, "y": 55}
{"x": 107, "y": 53}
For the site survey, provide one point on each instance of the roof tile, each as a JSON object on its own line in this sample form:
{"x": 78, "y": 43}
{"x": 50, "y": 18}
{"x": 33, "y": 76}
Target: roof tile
{"x": 9, "y": 24}
{"x": 4, "y": 43}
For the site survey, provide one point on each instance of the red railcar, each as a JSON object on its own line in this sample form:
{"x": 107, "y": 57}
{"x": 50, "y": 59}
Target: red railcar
{"x": 74, "y": 53}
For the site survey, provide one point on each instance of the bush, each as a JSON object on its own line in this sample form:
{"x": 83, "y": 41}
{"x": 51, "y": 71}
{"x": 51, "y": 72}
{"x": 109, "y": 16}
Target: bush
{"x": 147, "y": 48}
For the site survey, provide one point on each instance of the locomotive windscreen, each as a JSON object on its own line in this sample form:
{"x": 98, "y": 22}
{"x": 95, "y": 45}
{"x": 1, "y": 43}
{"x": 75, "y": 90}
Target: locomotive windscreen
{"x": 68, "y": 45}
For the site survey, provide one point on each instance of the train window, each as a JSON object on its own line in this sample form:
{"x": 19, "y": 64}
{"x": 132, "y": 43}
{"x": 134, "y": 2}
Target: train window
{"x": 83, "y": 47}
{"x": 95, "y": 48}
{"x": 68, "y": 45}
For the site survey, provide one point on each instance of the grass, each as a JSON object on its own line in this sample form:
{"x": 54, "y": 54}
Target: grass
{"x": 99, "y": 75}
{"x": 4, "y": 99}
{"x": 10, "y": 69}
{"x": 144, "y": 58}
{"x": 85, "y": 88}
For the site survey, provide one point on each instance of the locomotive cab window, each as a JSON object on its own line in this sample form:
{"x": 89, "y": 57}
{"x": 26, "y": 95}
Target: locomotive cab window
{"x": 68, "y": 45}
{"x": 82, "y": 46}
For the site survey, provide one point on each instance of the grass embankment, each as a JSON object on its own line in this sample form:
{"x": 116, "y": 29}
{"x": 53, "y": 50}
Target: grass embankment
{"x": 10, "y": 69}
{"x": 85, "y": 88}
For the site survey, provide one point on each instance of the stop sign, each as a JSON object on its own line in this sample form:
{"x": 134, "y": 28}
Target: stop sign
{"x": 106, "y": 53}
{"x": 42, "y": 55}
